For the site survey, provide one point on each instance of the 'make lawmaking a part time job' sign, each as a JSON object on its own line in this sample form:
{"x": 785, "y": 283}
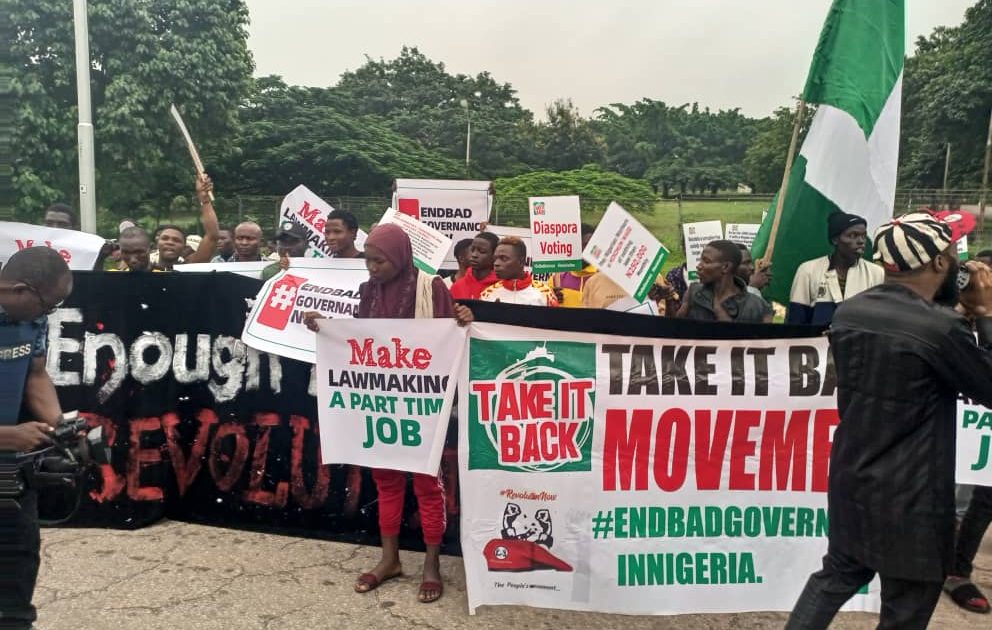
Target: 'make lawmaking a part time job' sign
{"x": 644, "y": 476}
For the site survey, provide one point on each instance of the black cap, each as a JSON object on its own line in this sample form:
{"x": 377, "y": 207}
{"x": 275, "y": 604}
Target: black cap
{"x": 291, "y": 229}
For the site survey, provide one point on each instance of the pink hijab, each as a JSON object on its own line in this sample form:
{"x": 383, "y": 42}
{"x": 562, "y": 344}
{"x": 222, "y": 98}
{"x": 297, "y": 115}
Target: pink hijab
{"x": 398, "y": 297}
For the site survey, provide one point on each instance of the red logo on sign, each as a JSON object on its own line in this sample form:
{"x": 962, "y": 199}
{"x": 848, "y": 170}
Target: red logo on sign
{"x": 279, "y": 302}
{"x": 410, "y": 207}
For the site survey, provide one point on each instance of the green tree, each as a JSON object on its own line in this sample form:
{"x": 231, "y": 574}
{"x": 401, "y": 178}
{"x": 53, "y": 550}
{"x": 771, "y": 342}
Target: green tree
{"x": 145, "y": 55}
{"x": 947, "y": 95}
{"x": 567, "y": 140}
{"x": 764, "y": 160}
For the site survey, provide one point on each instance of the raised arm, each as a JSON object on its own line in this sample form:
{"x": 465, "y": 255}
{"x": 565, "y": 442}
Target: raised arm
{"x": 208, "y": 217}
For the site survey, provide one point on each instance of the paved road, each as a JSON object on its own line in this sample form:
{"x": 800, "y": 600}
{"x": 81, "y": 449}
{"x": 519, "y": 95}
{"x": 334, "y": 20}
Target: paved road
{"x": 176, "y": 576}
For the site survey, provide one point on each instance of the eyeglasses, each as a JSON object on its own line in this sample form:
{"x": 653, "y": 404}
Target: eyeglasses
{"x": 48, "y": 307}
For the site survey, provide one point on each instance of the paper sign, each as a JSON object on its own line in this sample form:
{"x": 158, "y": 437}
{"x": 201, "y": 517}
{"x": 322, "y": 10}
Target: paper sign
{"x": 626, "y": 252}
{"x": 429, "y": 246}
{"x": 557, "y": 240}
{"x": 743, "y": 233}
{"x": 963, "y": 247}
{"x": 303, "y": 207}
{"x": 79, "y": 249}
{"x": 385, "y": 389}
{"x": 696, "y": 237}
{"x": 974, "y": 445}
{"x": 455, "y": 208}
{"x": 329, "y": 286}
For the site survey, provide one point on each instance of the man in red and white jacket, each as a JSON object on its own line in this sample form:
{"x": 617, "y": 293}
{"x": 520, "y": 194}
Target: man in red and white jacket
{"x": 516, "y": 286}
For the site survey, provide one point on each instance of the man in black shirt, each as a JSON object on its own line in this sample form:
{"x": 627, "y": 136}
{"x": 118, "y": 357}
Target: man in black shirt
{"x": 901, "y": 358}
{"x": 721, "y": 295}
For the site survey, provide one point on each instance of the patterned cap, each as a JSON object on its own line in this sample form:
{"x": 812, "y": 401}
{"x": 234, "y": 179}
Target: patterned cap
{"x": 912, "y": 240}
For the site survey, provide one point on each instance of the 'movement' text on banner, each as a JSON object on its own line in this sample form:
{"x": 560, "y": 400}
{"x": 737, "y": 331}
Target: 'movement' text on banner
{"x": 385, "y": 389}
{"x": 329, "y": 286}
{"x": 644, "y": 476}
{"x": 626, "y": 252}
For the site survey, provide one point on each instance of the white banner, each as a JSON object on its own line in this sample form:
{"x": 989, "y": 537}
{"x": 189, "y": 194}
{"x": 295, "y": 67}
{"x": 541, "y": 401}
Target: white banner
{"x": 453, "y": 207}
{"x": 557, "y": 239}
{"x": 743, "y": 233}
{"x": 429, "y": 245}
{"x": 385, "y": 389}
{"x": 697, "y": 236}
{"x": 78, "y": 249}
{"x": 329, "y": 286}
{"x": 303, "y": 207}
{"x": 626, "y": 252}
{"x": 644, "y": 476}
{"x": 250, "y": 269}
{"x": 974, "y": 449}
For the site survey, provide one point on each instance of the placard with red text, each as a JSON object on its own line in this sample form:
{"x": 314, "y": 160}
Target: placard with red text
{"x": 556, "y": 241}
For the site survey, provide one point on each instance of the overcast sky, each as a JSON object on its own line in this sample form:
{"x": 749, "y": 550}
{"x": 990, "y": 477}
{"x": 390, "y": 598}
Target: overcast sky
{"x": 752, "y": 54}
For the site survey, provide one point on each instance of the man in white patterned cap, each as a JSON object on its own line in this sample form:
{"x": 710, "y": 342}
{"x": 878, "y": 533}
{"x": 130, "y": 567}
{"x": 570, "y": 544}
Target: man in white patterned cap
{"x": 901, "y": 356}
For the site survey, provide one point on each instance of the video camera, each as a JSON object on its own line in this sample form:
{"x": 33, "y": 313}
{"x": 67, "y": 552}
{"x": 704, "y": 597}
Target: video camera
{"x": 61, "y": 465}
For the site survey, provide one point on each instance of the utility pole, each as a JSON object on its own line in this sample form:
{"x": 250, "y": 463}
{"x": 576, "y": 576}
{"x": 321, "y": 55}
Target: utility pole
{"x": 87, "y": 166}
{"x": 947, "y": 168}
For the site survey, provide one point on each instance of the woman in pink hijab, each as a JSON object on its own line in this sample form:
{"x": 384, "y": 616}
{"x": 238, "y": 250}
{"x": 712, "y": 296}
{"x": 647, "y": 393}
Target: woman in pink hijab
{"x": 393, "y": 291}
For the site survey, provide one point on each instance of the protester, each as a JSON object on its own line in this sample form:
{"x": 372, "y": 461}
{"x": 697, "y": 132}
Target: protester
{"x": 602, "y": 292}
{"x": 397, "y": 290}
{"x": 969, "y": 538}
{"x": 33, "y": 283}
{"x": 678, "y": 279}
{"x": 340, "y": 232}
{"x": 247, "y": 242}
{"x": 480, "y": 260}
{"x": 516, "y": 285}
{"x": 822, "y": 283}
{"x": 225, "y": 246}
{"x": 756, "y": 278}
{"x": 62, "y": 216}
{"x": 898, "y": 354}
{"x": 461, "y": 256}
{"x": 171, "y": 240}
{"x": 291, "y": 242}
{"x": 568, "y": 285}
{"x": 135, "y": 248}
{"x": 721, "y": 295}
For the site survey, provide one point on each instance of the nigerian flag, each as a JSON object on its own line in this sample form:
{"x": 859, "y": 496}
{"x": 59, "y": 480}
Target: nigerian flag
{"x": 849, "y": 157}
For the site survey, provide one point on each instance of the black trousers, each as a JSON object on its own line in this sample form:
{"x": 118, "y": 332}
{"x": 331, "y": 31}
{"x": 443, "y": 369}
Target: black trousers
{"x": 905, "y": 604}
{"x": 976, "y": 520}
{"x": 20, "y": 547}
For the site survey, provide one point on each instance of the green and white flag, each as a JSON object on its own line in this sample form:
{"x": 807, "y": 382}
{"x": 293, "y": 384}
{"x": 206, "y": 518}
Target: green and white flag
{"x": 849, "y": 158}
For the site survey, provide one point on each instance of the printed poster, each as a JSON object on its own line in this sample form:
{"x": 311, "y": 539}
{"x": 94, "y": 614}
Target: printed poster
{"x": 454, "y": 208}
{"x": 303, "y": 207}
{"x": 697, "y": 236}
{"x": 626, "y": 252}
{"x": 557, "y": 239}
{"x": 78, "y": 249}
{"x": 743, "y": 233}
{"x": 429, "y": 245}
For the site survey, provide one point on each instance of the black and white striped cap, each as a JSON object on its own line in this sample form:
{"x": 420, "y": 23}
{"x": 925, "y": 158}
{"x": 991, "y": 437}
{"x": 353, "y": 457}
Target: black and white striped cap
{"x": 912, "y": 240}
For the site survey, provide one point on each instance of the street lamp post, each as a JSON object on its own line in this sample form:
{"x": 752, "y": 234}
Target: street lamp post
{"x": 468, "y": 130}
{"x": 87, "y": 174}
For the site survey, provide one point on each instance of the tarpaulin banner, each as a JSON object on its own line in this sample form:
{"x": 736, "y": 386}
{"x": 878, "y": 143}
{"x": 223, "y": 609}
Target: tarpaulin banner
{"x": 329, "y": 286}
{"x": 644, "y": 475}
{"x": 385, "y": 389}
{"x": 455, "y": 208}
{"x": 78, "y": 249}
{"x": 202, "y": 427}
{"x": 303, "y": 207}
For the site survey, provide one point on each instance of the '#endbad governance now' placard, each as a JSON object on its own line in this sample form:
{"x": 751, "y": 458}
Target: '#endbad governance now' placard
{"x": 644, "y": 476}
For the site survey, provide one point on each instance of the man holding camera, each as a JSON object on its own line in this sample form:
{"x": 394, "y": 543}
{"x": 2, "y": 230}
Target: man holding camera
{"x": 33, "y": 283}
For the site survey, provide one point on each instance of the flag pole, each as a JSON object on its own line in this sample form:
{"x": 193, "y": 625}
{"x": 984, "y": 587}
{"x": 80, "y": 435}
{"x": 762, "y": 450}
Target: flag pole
{"x": 985, "y": 177}
{"x": 780, "y": 200}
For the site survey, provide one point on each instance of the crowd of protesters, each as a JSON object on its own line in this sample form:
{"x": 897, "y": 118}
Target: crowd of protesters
{"x": 880, "y": 465}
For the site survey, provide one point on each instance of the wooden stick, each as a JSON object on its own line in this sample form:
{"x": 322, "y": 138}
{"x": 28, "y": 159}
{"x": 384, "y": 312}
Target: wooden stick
{"x": 193, "y": 153}
{"x": 780, "y": 202}
{"x": 985, "y": 178}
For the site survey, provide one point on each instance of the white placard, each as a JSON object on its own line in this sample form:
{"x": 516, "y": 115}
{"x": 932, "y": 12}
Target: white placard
{"x": 250, "y": 269}
{"x": 963, "y": 246}
{"x": 557, "y": 239}
{"x": 696, "y": 236}
{"x": 429, "y": 245}
{"x": 743, "y": 233}
{"x": 79, "y": 249}
{"x": 456, "y": 208}
{"x": 626, "y": 252}
{"x": 329, "y": 286}
{"x": 385, "y": 389}
{"x": 303, "y": 207}
{"x": 974, "y": 445}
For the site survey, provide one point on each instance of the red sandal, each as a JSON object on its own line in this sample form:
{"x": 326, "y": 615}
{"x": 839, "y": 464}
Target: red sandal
{"x": 426, "y": 587}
